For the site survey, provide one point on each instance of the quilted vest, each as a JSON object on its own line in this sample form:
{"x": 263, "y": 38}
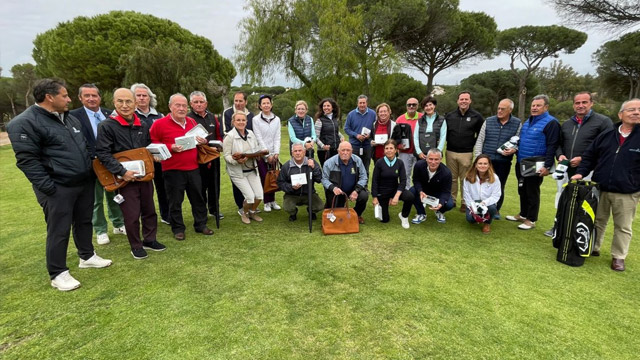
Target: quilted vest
{"x": 533, "y": 142}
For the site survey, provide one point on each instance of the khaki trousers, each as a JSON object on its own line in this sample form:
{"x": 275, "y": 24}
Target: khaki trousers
{"x": 623, "y": 208}
{"x": 459, "y": 164}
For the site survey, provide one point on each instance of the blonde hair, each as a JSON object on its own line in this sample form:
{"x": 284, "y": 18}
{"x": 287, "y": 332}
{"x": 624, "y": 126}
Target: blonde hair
{"x": 472, "y": 173}
{"x": 299, "y": 102}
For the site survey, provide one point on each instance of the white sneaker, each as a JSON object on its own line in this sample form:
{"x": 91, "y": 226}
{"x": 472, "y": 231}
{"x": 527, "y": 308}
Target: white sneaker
{"x": 120, "y": 231}
{"x": 419, "y": 218}
{"x": 65, "y": 282}
{"x": 103, "y": 239}
{"x": 527, "y": 225}
{"x": 275, "y": 206}
{"x": 267, "y": 207}
{"x": 94, "y": 262}
{"x": 404, "y": 221}
{"x": 440, "y": 217}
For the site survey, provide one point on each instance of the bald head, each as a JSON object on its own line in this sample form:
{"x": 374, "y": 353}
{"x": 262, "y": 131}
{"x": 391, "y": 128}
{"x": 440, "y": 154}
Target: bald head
{"x": 124, "y": 102}
{"x": 412, "y": 106}
{"x": 344, "y": 151}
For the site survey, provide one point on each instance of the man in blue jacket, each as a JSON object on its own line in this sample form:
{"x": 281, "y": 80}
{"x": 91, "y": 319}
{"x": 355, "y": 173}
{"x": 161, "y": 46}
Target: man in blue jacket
{"x": 91, "y": 114}
{"x": 539, "y": 137}
{"x": 52, "y": 153}
{"x": 614, "y": 158}
{"x": 358, "y": 119}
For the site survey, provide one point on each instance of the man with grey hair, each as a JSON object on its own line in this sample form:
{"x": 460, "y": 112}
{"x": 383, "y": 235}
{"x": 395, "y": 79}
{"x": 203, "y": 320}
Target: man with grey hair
{"x": 181, "y": 171}
{"x": 91, "y": 114}
{"x": 431, "y": 178}
{"x": 145, "y": 110}
{"x": 359, "y": 127}
{"x": 539, "y": 137}
{"x": 296, "y": 193}
{"x": 614, "y": 158}
{"x": 496, "y": 131}
{"x": 576, "y": 135}
{"x": 209, "y": 172}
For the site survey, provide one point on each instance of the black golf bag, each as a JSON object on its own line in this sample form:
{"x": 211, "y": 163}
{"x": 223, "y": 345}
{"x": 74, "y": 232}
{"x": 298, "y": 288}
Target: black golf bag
{"x": 574, "y": 224}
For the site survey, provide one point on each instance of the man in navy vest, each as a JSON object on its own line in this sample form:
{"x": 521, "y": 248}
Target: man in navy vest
{"x": 496, "y": 131}
{"x": 539, "y": 137}
{"x": 90, "y": 115}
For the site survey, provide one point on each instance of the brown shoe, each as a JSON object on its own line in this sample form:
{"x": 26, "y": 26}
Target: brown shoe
{"x": 486, "y": 229}
{"x": 617, "y": 264}
{"x": 360, "y": 220}
{"x": 595, "y": 253}
{"x": 206, "y": 231}
{"x": 253, "y": 216}
{"x": 463, "y": 208}
{"x": 515, "y": 218}
{"x": 179, "y": 236}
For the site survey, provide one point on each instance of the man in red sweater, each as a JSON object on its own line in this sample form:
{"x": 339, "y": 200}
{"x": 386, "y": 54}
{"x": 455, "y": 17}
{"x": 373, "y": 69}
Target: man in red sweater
{"x": 180, "y": 171}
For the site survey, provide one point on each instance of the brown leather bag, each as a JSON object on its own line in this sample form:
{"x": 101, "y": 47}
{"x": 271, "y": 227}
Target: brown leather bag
{"x": 111, "y": 182}
{"x": 207, "y": 153}
{"x": 271, "y": 179}
{"x": 346, "y": 219}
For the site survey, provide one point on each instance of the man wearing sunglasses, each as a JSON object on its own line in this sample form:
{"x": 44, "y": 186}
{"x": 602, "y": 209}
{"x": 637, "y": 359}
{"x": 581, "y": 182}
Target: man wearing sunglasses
{"x": 403, "y": 132}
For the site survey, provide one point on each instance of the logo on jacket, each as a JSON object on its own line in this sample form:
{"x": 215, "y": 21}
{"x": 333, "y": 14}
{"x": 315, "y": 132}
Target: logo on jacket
{"x": 635, "y": 150}
{"x": 468, "y": 119}
{"x": 583, "y": 236}
{"x": 23, "y": 137}
{"x": 75, "y": 130}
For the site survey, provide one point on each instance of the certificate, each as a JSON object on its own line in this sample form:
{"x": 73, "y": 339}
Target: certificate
{"x": 298, "y": 179}
{"x": 380, "y": 138}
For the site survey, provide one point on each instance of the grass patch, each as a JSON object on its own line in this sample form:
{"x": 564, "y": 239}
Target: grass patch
{"x": 274, "y": 291}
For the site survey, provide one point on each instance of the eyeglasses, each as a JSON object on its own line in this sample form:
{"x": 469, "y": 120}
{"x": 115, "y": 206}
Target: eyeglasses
{"x": 630, "y": 110}
{"x": 412, "y": 105}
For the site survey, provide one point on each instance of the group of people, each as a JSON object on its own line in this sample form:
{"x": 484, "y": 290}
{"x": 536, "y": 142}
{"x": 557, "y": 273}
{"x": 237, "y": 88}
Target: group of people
{"x": 54, "y": 147}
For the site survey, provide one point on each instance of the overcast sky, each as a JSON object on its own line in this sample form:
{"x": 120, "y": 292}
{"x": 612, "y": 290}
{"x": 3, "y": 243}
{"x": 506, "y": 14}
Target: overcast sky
{"x": 218, "y": 20}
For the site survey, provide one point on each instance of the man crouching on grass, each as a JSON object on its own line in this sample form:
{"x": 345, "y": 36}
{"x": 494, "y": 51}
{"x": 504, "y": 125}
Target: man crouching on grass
{"x": 52, "y": 153}
{"x": 120, "y": 132}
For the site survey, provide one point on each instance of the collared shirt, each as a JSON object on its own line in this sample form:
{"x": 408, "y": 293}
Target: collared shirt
{"x": 182, "y": 125}
{"x": 93, "y": 116}
{"x": 349, "y": 179}
{"x": 390, "y": 163}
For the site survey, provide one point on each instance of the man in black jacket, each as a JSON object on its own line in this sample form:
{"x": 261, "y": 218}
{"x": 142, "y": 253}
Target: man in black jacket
{"x": 91, "y": 114}
{"x": 432, "y": 178}
{"x": 295, "y": 193}
{"x": 576, "y": 135}
{"x": 463, "y": 127}
{"x": 52, "y": 153}
{"x": 124, "y": 131}
{"x": 614, "y": 158}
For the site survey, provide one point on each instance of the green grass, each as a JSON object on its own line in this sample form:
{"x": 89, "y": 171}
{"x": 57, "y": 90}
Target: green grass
{"x": 273, "y": 291}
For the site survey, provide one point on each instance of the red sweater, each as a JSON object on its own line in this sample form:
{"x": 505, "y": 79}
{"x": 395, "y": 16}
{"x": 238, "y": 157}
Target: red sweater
{"x": 164, "y": 131}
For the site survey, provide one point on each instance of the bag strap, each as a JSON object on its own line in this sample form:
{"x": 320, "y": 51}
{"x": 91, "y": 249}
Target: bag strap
{"x": 346, "y": 201}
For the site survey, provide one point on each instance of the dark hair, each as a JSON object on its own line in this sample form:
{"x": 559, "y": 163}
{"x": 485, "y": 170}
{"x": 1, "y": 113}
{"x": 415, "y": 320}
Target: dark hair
{"x": 335, "y": 108}
{"x": 584, "y": 93}
{"x": 464, "y": 92}
{"x": 47, "y": 86}
{"x": 428, "y": 99}
{"x": 391, "y": 142}
{"x": 262, "y": 97}
{"x": 244, "y": 94}
{"x": 88, "y": 86}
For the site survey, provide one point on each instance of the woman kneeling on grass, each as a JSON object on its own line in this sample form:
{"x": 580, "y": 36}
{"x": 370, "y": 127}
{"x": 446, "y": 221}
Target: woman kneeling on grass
{"x": 388, "y": 184}
{"x": 481, "y": 193}
{"x": 243, "y": 170}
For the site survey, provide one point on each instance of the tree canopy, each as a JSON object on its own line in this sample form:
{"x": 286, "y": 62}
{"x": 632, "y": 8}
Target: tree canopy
{"x": 605, "y": 14}
{"x": 530, "y": 45}
{"x": 618, "y": 61}
{"x": 104, "y": 48}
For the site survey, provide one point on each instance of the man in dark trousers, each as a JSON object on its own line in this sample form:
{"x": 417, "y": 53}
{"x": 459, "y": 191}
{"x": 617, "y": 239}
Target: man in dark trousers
{"x": 124, "y": 131}
{"x": 576, "y": 135}
{"x": 209, "y": 172}
{"x": 495, "y": 132}
{"x": 614, "y": 158}
{"x": 295, "y": 193}
{"x": 52, "y": 153}
{"x": 432, "y": 178}
{"x": 180, "y": 171}
{"x": 146, "y": 103}
{"x": 463, "y": 126}
{"x": 90, "y": 116}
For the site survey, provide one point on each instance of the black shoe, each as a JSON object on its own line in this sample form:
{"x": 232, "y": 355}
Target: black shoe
{"x": 313, "y": 216}
{"x": 139, "y": 254}
{"x": 293, "y": 217}
{"x": 595, "y": 253}
{"x": 153, "y": 245}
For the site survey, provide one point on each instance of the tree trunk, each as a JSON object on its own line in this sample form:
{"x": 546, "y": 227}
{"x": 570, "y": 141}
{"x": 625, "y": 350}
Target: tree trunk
{"x": 522, "y": 98}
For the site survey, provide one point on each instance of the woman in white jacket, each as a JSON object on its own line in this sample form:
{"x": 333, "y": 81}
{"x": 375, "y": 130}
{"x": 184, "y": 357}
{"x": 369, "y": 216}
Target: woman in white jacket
{"x": 481, "y": 193}
{"x": 243, "y": 170}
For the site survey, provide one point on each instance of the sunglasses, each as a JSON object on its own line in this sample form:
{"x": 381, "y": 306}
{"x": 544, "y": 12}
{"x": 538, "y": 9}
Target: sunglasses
{"x": 412, "y": 105}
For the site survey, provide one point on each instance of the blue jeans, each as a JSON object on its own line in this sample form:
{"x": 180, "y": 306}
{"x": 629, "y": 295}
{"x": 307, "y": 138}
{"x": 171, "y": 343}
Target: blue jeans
{"x": 493, "y": 209}
{"x": 417, "y": 202}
